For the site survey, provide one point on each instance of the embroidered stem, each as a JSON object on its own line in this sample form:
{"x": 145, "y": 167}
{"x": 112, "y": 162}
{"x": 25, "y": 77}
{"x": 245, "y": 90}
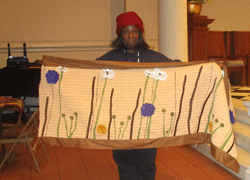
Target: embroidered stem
{"x": 150, "y": 118}
{"x": 191, "y": 100}
{"x": 214, "y": 131}
{"x": 172, "y": 117}
{"x": 180, "y": 108}
{"x": 66, "y": 128}
{"x": 125, "y": 126}
{"x": 164, "y": 132}
{"x": 92, "y": 104}
{"x": 120, "y": 130}
{"x": 213, "y": 103}
{"x": 71, "y": 133}
{"x": 203, "y": 107}
{"x": 145, "y": 88}
{"x": 71, "y": 124}
{"x": 46, "y": 115}
{"x": 60, "y": 104}
{"x": 110, "y": 112}
{"x": 97, "y": 116}
{"x": 223, "y": 146}
{"x": 133, "y": 115}
{"x": 114, "y": 126}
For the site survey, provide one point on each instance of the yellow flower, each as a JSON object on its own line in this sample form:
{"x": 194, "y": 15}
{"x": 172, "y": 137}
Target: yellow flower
{"x": 101, "y": 129}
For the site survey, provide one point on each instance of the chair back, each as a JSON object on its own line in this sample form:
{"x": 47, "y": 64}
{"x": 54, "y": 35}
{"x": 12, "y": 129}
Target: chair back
{"x": 219, "y": 48}
{"x": 10, "y": 104}
{"x": 215, "y": 47}
{"x": 240, "y": 49}
{"x": 31, "y": 127}
{"x": 27, "y": 135}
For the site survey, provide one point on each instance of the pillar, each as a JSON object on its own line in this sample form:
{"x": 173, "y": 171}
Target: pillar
{"x": 173, "y": 36}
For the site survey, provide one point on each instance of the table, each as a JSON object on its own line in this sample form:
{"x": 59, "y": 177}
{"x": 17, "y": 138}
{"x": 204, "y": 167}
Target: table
{"x": 19, "y": 82}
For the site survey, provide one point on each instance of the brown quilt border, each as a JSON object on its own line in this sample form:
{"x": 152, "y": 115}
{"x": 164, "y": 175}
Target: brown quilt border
{"x": 198, "y": 138}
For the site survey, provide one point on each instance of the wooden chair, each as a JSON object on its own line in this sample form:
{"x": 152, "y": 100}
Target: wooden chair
{"x": 218, "y": 49}
{"x": 240, "y": 49}
{"x": 23, "y": 136}
{"x": 10, "y": 104}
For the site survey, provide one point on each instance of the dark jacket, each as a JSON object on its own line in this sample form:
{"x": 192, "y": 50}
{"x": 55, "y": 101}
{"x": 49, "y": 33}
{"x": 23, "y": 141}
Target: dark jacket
{"x": 144, "y": 56}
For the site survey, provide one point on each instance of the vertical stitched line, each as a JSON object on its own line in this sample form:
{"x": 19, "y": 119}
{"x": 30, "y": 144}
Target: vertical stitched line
{"x": 203, "y": 107}
{"x": 46, "y": 115}
{"x": 133, "y": 115}
{"x": 178, "y": 118}
{"x": 92, "y": 104}
{"x": 110, "y": 113}
{"x": 191, "y": 100}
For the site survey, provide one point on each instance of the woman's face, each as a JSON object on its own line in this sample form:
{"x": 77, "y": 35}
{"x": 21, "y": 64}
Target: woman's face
{"x": 130, "y": 36}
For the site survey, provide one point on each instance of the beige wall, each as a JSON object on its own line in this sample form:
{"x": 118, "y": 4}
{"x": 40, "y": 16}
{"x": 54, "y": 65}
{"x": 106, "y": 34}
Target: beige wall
{"x": 83, "y": 29}
{"x": 229, "y": 15}
{"x": 117, "y": 7}
{"x": 55, "y": 27}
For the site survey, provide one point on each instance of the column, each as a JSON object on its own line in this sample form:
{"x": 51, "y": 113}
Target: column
{"x": 173, "y": 37}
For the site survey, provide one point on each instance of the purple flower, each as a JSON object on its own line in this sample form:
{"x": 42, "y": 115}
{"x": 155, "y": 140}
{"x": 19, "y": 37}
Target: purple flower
{"x": 52, "y": 77}
{"x": 232, "y": 117}
{"x": 147, "y": 109}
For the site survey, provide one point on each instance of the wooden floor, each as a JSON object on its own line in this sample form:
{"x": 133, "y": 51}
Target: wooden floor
{"x": 173, "y": 163}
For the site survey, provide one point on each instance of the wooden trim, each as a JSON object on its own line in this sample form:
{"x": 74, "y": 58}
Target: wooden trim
{"x": 74, "y": 46}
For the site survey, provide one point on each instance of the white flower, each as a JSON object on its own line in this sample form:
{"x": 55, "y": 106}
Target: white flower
{"x": 157, "y": 74}
{"x": 148, "y": 73}
{"x": 106, "y": 73}
{"x": 62, "y": 69}
{"x": 223, "y": 73}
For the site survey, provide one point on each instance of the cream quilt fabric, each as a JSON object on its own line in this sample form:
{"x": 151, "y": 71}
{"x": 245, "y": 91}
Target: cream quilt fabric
{"x": 109, "y": 105}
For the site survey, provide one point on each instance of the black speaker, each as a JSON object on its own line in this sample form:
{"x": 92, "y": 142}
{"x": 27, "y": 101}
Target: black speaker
{"x": 18, "y": 62}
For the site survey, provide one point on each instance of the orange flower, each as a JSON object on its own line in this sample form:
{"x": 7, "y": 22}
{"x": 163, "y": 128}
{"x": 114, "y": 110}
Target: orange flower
{"x": 210, "y": 126}
{"x": 101, "y": 129}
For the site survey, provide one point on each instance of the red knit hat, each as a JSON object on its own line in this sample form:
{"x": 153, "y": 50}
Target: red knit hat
{"x": 126, "y": 19}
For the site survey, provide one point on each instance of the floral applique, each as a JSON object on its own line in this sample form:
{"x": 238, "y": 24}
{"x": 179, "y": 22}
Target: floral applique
{"x": 106, "y": 74}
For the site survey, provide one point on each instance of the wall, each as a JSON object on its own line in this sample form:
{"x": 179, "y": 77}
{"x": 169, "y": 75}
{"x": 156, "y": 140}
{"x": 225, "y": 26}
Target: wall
{"x": 229, "y": 15}
{"x": 117, "y": 7}
{"x": 69, "y": 28}
{"x": 83, "y": 29}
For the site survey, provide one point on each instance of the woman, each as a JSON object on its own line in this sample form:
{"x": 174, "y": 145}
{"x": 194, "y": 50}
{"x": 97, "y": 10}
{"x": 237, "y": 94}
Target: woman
{"x": 130, "y": 46}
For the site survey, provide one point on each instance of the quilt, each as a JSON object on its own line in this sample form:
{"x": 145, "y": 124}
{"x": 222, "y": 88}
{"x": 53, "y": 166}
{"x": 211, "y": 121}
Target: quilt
{"x": 120, "y": 105}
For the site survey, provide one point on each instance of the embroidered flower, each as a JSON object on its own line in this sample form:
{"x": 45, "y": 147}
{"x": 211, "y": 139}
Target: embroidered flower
{"x": 232, "y": 117}
{"x": 52, "y": 77}
{"x": 157, "y": 74}
{"x": 62, "y": 69}
{"x": 121, "y": 123}
{"x": 101, "y": 129}
{"x": 210, "y": 126}
{"x": 147, "y": 109}
{"x": 148, "y": 73}
{"x": 106, "y": 73}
